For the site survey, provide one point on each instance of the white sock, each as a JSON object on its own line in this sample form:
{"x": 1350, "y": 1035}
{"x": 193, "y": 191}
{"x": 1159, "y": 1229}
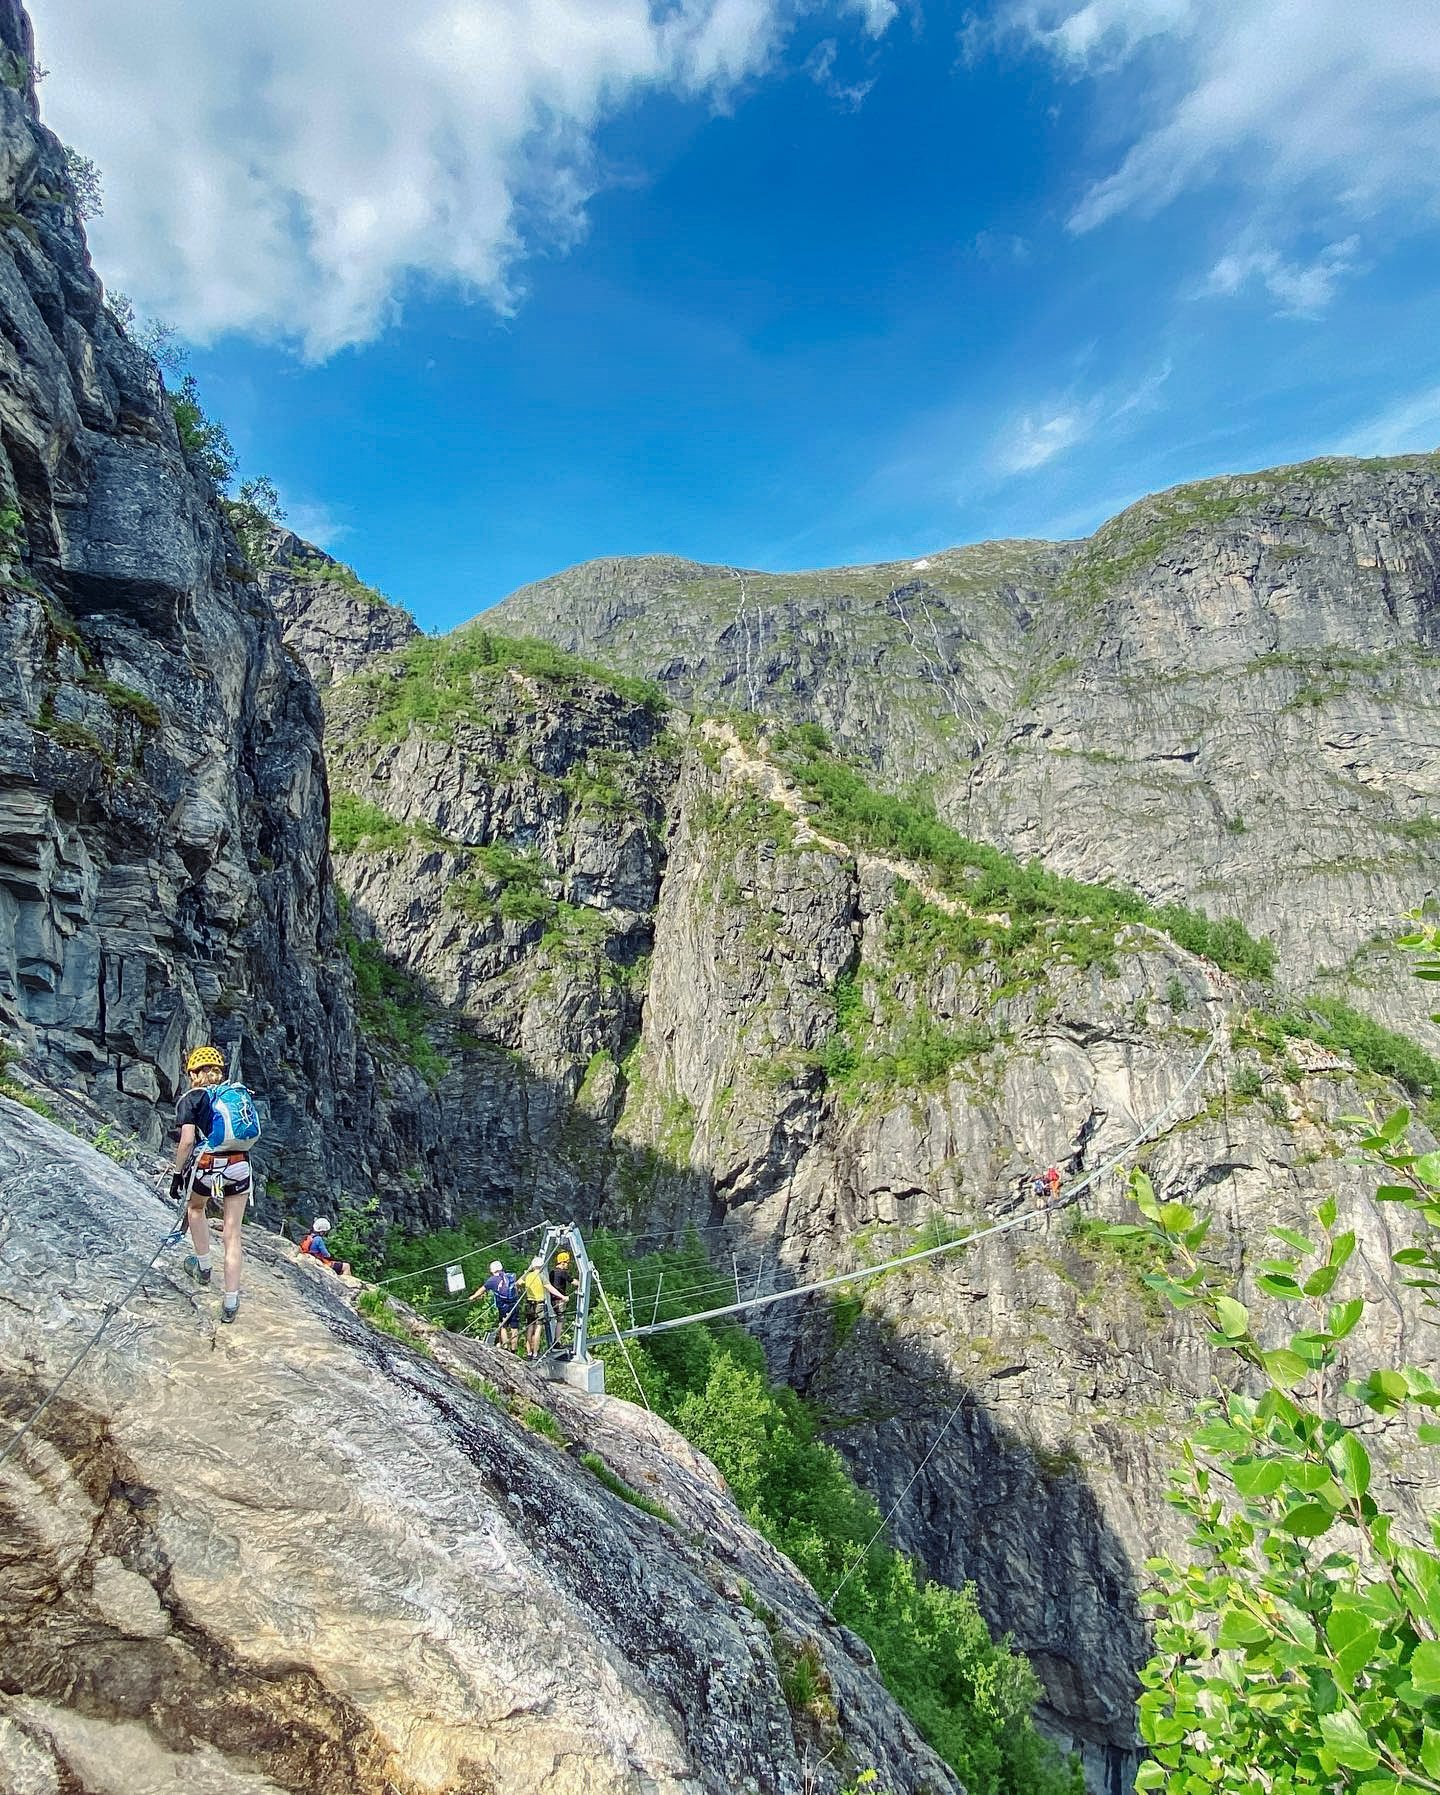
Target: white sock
{"x": 203, "y": 1261}
{"x": 232, "y": 1299}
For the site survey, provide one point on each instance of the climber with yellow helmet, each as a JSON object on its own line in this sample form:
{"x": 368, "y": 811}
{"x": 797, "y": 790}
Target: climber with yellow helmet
{"x": 218, "y": 1126}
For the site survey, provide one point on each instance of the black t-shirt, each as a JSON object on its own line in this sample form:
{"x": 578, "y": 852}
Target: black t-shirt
{"x": 195, "y": 1108}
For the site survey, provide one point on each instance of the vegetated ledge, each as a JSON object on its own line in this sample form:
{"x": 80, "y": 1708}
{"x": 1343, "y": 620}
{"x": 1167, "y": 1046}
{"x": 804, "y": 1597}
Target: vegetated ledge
{"x": 437, "y": 681}
{"x": 1023, "y": 896}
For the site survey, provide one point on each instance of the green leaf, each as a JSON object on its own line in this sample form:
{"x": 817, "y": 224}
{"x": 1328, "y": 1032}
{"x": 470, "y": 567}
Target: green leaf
{"x": 1309, "y": 1520}
{"x": 1395, "y": 1125}
{"x": 1424, "y": 1667}
{"x": 1233, "y": 1318}
{"x": 1321, "y": 1281}
{"x": 1428, "y": 1434}
{"x": 1341, "y": 1248}
{"x": 1292, "y": 1239}
{"x": 1238, "y": 1627}
{"x": 1279, "y": 1284}
{"x": 1258, "y": 1476}
{"x": 1430, "y": 1752}
{"x": 1427, "y": 1170}
{"x": 1325, "y": 1214}
{"x": 1395, "y": 1193}
{"x": 1356, "y": 1461}
{"x": 1286, "y": 1367}
{"x": 1392, "y": 1384}
{"x": 1346, "y": 1738}
{"x": 1176, "y": 1217}
{"x": 1352, "y": 1636}
{"x": 1143, "y": 1192}
{"x": 1343, "y": 1317}
{"x": 1151, "y": 1776}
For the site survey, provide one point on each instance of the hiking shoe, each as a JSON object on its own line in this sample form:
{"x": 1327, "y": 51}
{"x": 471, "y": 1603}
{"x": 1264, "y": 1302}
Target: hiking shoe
{"x": 200, "y": 1273}
{"x": 230, "y": 1307}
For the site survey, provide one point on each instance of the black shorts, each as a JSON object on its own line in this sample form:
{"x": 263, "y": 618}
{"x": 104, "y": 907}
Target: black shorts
{"x": 511, "y": 1317}
{"x": 534, "y": 1311}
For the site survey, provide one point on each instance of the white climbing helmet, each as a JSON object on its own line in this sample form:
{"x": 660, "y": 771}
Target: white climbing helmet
{"x": 495, "y": 1265}
{"x": 321, "y": 1225}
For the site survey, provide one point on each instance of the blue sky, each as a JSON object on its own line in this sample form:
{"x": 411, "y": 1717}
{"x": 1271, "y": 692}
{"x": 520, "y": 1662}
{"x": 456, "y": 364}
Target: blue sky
{"x": 519, "y": 282}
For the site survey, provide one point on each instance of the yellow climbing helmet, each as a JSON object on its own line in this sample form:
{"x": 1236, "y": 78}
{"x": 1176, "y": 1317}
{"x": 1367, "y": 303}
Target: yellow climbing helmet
{"x": 204, "y": 1059}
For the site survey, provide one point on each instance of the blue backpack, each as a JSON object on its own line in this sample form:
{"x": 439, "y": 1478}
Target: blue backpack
{"x": 508, "y": 1294}
{"x": 234, "y": 1122}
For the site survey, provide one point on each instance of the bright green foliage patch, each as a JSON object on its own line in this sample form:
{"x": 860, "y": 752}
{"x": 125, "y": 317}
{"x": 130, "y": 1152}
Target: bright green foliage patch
{"x": 355, "y": 823}
{"x": 1373, "y": 1047}
{"x": 981, "y": 876}
{"x": 443, "y": 680}
{"x": 206, "y": 442}
{"x": 126, "y": 700}
{"x": 336, "y": 573}
{"x": 617, "y": 1486}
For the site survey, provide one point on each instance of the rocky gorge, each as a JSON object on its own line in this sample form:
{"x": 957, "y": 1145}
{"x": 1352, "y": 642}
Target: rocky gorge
{"x": 801, "y": 914}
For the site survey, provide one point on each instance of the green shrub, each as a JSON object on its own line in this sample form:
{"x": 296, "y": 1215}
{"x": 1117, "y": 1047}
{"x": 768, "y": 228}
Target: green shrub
{"x": 206, "y": 443}
{"x": 374, "y": 1305}
{"x": 355, "y": 823}
{"x": 390, "y": 1006}
{"x": 144, "y": 710}
{"x": 541, "y": 1421}
{"x": 84, "y": 177}
{"x": 441, "y": 680}
{"x": 847, "y": 806}
{"x": 1246, "y": 1082}
{"x": 253, "y": 513}
{"x": 323, "y": 570}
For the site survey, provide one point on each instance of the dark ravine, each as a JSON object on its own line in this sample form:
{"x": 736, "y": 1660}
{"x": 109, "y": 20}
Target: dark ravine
{"x": 497, "y": 934}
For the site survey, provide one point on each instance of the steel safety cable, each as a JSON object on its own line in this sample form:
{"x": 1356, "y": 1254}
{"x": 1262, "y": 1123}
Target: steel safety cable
{"x": 1066, "y": 1197}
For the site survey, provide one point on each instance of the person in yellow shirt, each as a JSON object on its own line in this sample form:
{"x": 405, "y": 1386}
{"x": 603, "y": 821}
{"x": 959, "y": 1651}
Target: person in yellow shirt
{"x": 536, "y": 1287}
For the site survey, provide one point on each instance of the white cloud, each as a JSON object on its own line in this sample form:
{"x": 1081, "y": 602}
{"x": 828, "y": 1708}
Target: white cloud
{"x": 1338, "y": 100}
{"x": 1407, "y": 425}
{"x": 820, "y": 67}
{"x": 1031, "y": 441}
{"x": 1036, "y": 437}
{"x": 315, "y": 523}
{"x": 1300, "y": 289}
{"x": 1000, "y": 246}
{"x": 876, "y": 15}
{"x": 289, "y": 168}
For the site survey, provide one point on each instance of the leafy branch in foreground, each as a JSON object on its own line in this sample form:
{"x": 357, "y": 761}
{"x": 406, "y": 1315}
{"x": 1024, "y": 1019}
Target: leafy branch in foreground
{"x": 1298, "y": 1646}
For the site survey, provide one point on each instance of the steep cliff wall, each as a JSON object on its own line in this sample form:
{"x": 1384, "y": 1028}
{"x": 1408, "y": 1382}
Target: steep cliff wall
{"x": 841, "y": 1062}
{"x": 1227, "y": 695}
{"x": 162, "y": 783}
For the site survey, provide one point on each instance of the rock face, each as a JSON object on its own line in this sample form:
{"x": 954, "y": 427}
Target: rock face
{"x": 556, "y": 950}
{"x": 332, "y": 620}
{"x": 1227, "y": 695}
{"x": 1058, "y": 1382}
{"x": 357, "y": 1573}
{"x": 162, "y": 781}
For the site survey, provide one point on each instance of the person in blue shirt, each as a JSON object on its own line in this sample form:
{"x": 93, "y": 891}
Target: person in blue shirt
{"x": 315, "y": 1246}
{"x": 504, "y": 1286}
